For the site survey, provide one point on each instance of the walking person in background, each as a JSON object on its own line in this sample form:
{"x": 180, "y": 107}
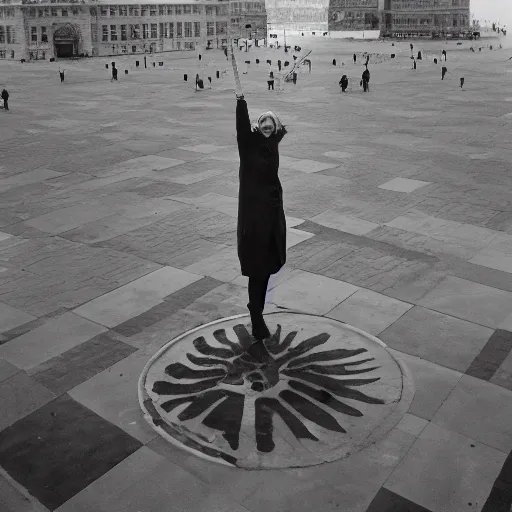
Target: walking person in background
{"x": 355, "y": 58}
{"x": 61, "y": 74}
{"x": 270, "y": 81}
{"x": 366, "y": 80}
{"x": 5, "y": 97}
{"x": 261, "y": 228}
{"x": 444, "y": 70}
{"x": 114, "y": 73}
{"x": 461, "y": 83}
{"x": 414, "y": 64}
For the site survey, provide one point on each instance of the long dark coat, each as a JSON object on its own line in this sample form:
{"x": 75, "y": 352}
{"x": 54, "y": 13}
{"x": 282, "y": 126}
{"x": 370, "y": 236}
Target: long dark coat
{"x": 261, "y": 233}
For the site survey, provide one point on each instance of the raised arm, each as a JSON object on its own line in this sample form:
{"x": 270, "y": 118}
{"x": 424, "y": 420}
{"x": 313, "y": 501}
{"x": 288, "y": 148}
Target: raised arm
{"x": 282, "y": 132}
{"x": 243, "y": 123}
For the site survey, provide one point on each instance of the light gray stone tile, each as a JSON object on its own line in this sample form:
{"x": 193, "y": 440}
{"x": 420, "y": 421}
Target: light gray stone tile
{"x": 7, "y": 370}
{"x": 411, "y": 424}
{"x": 49, "y": 340}
{"x": 403, "y": 185}
{"x": 338, "y": 154}
{"x": 134, "y": 298}
{"x": 222, "y": 265}
{"x": 493, "y": 259}
{"x": 370, "y": 311}
{"x": 190, "y": 178}
{"x": 112, "y": 394}
{"x": 27, "y": 178}
{"x": 471, "y": 301}
{"x": 444, "y": 471}
{"x": 308, "y": 166}
{"x": 432, "y": 382}
{"x": 145, "y": 164}
{"x": 312, "y": 293}
{"x": 204, "y": 148}
{"x": 479, "y": 410}
{"x": 296, "y": 236}
{"x": 344, "y": 223}
{"x": 11, "y": 317}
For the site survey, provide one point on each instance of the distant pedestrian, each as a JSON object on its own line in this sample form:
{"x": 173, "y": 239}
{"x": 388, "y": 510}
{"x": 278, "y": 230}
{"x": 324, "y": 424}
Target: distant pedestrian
{"x": 114, "y": 73}
{"x": 355, "y": 58}
{"x": 414, "y": 64}
{"x": 344, "y": 83}
{"x": 461, "y": 83}
{"x": 366, "y": 80}
{"x": 279, "y": 64}
{"x": 294, "y": 78}
{"x": 5, "y": 97}
{"x": 444, "y": 54}
{"x": 270, "y": 81}
{"x": 443, "y": 72}
{"x": 61, "y": 73}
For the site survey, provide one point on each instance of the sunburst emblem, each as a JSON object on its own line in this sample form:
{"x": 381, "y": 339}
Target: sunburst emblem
{"x": 308, "y": 384}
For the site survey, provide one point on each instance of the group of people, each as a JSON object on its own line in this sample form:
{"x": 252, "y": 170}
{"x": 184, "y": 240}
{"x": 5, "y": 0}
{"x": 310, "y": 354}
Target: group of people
{"x": 364, "y": 83}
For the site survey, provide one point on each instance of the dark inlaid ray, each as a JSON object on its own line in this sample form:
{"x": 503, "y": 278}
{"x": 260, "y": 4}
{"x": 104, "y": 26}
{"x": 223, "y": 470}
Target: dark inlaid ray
{"x": 202, "y": 346}
{"x": 245, "y": 339}
{"x": 311, "y": 411}
{"x": 324, "y": 397}
{"x": 180, "y": 371}
{"x": 281, "y": 347}
{"x": 227, "y": 418}
{"x": 172, "y": 404}
{"x": 201, "y": 403}
{"x": 328, "y": 382}
{"x": 273, "y": 341}
{"x": 221, "y": 336}
{"x": 162, "y": 387}
{"x": 328, "y": 355}
{"x": 264, "y": 427}
{"x": 207, "y": 361}
{"x": 303, "y": 347}
{"x": 337, "y": 369}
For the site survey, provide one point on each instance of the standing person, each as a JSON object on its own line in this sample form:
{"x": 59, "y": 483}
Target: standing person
{"x": 5, "y": 97}
{"x": 261, "y": 228}
{"x": 414, "y": 64}
{"x": 461, "y": 83}
{"x": 444, "y": 55}
{"x": 114, "y": 73}
{"x": 444, "y": 70}
{"x": 366, "y": 80}
{"x": 355, "y": 58}
{"x": 61, "y": 73}
{"x": 344, "y": 83}
{"x": 270, "y": 81}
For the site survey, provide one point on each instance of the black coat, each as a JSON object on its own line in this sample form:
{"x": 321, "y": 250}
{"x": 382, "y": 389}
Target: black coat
{"x": 261, "y": 233}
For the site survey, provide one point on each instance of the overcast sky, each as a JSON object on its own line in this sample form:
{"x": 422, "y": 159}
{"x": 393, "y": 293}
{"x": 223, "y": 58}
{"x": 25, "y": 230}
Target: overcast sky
{"x": 493, "y": 10}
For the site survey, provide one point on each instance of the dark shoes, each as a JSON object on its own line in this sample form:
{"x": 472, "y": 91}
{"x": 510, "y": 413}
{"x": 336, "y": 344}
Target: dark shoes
{"x": 259, "y": 327}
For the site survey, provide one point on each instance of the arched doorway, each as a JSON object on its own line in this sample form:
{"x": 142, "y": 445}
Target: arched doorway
{"x": 67, "y": 39}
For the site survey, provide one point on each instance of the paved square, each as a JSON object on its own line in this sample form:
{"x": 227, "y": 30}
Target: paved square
{"x": 118, "y": 219}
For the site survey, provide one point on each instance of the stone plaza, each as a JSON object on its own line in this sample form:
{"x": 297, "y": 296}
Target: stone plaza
{"x": 118, "y": 235}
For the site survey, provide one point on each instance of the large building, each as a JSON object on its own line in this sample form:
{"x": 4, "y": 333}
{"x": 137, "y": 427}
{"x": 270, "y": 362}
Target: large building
{"x": 369, "y": 18}
{"x": 41, "y": 29}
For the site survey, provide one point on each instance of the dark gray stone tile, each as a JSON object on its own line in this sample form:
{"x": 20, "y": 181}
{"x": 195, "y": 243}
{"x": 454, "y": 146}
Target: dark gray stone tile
{"x": 388, "y": 501}
{"x": 58, "y": 450}
{"x": 480, "y": 369}
{"x": 64, "y": 372}
{"x": 500, "y": 497}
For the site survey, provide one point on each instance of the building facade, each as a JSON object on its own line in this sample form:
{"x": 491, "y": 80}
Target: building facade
{"x": 370, "y": 18}
{"x": 41, "y": 29}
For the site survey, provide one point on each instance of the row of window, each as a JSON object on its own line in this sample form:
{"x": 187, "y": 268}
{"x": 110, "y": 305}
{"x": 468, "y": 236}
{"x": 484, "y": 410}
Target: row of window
{"x": 7, "y": 34}
{"x": 456, "y": 20}
{"x": 427, "y": 4}
{"x": 7, "y": 12}
{"x": 166, "y": 30}
{"x": 159, "y": 10}
{"x": 40, "y": 35}
{"x": 55, "y": 11}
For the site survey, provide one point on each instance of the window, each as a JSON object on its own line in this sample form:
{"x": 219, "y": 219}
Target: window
{"x": 2, "y": 35}
{"x": 196, "y": 9}
{"x": 170, "y": 10}
{"x": 210, "y": 28}
{"x": 197, "y": 29}
{"x": 161, "y": 10}
{"x": 31, "y": 13}
{"x": 64, "y": 12}
{"x": 122, "y": 10}
{"x": 74, "y": 11}
{"x": 179, "y": 9}
{"x": 135, "y": 11}
{"x": 40, "y": 13}
{"x": 221, "y": 10}
{"x": 46, "y": 11}
{"x": 209, "y": 10}
{"x": 104, "y": 32}
{"x": 171, "y": 30}
{"x": 144, "y": 10}
{"x": 130, "y": 11}
{"x": 187, "y": 9}
{"x": 152, "y": 10}
{"x": 104, "y": 10}
{"x": 161, "y": 29}
{"x": 11, "y": 35}
{"x": 134, "y": 31}
{"x": 2, "y": 52}
{"x": 236, "y": 7}
{"x": 222, "y": 27}
{"x": 113, "y": 32}
{"x": 188, "y": 29}
{"x": 112, "y": 10}
{"x": 189, "y": 46}
{"x": 124, "y": 49}
{"x": 134, "y": 49}
{"x": 54, "y": 11}
{"x": 145, "y": 31}
{"x": 179, "y": 29}
{"x": 44, "y": 35}
{"x": 94, "y": 33}
{"x": 154, "y": 30}
{"x": 33, "y": 34}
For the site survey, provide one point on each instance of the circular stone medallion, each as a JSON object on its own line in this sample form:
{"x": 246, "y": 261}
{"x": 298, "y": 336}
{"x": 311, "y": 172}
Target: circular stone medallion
{"x": 320, "y": 391}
